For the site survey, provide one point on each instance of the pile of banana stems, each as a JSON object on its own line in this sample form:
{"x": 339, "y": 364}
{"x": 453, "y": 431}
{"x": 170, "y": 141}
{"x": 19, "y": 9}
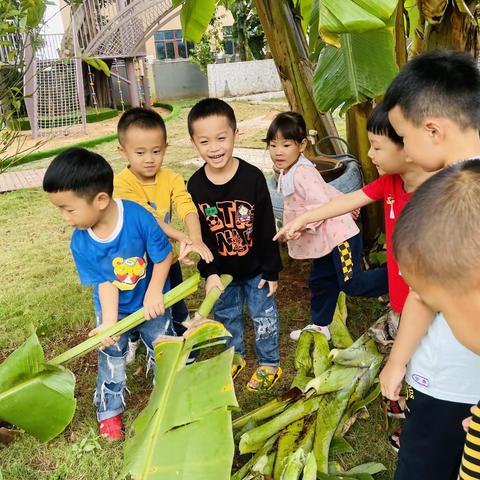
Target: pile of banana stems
{"x": 291, "y": 436}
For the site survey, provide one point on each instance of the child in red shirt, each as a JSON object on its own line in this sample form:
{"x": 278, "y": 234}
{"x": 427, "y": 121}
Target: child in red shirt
{"x": 399, "y": 178}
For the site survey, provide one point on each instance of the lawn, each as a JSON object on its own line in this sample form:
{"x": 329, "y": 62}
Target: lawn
{"x": 41, "y": 291}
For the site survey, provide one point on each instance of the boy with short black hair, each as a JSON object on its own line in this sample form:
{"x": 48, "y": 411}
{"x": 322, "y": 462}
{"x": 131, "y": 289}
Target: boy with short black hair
{"x": 434, "y": 104}
{"x": 237, "y": 223}
{"x": 142, "y": 135}
{"x": 442, "y": 266}
{"x": 120, "y": 249}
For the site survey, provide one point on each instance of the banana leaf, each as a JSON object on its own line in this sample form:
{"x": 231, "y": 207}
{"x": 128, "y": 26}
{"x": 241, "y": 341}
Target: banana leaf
{"x": 38, "y": 396}
{"x": 320, "y": 359}
{"x": 35, "y": 396}
{"x": 354, "y": 16}
{"x": 370, "y": 468}
{"x": 310, "y": 470}
{"x": 286, "y": 446}
{"x": 186, "y": 430}
{"x": 363, "y": 353}
{"x": 334, "y": 379}
{"x": 259, "y": 455}
{"x": 253, "y": 440}
{"x": 359, "y": 70}
{"x": 327, "y": 421}
{"x": 341, "y": 337}
{"x": 295, "y": 463}
{"x": 195, "y": 17}
{"x": 270, "y": 409}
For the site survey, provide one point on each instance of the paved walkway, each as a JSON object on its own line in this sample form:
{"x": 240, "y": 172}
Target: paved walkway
{"x": 18, "y": 179}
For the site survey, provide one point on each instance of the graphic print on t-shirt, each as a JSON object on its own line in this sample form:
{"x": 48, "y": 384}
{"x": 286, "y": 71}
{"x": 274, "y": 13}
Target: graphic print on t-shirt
{"x": 128, "y": 271}
{"x": 232, "y": 224}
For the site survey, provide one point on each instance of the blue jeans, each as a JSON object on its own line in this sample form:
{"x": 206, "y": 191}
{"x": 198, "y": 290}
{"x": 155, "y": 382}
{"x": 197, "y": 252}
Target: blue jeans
{"x": 111, "y": 377}
{"x": 263, "y": 310}
{"x": 327, "y": 279}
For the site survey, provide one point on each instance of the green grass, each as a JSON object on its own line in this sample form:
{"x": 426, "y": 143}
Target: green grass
{"x": 92, "y": 116}
{"x": 41, "y": 291}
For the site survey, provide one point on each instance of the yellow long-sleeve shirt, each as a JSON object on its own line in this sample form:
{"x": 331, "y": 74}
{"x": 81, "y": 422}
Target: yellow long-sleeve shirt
{"x": 168, "y": 192}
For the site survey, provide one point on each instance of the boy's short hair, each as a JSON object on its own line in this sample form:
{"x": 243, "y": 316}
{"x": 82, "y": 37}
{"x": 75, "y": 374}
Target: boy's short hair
{"x": 145, "y": 118}
{"x": 81, "y": 171}
{"x": 379, "y": 124}
{"x": 437, "y": 236}
{"x": 438, "y": 84}
{"x": 210, "y": 107}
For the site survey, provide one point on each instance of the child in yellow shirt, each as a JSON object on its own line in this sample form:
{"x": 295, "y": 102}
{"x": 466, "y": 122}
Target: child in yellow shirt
{"x": 143, "y": 141}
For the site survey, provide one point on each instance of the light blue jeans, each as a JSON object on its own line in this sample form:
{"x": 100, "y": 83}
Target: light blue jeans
{"x": 109, "y": 397}
{"x": 263, "y": 310}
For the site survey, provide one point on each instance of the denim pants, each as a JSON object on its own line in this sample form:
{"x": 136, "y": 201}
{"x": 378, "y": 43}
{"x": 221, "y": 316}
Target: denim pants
{"x": 111, "y": 377}
{"x": 263, "y": 310}
{"x": 327, "y": 279}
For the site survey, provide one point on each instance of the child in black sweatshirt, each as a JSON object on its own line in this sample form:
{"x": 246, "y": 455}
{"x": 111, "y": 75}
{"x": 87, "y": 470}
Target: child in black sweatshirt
{"x": 238, "y": 225}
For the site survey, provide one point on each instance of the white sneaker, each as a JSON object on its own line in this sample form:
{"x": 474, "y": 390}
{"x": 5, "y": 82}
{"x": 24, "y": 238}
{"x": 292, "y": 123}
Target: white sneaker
{"x": 295, "y": 335}
{"x": 132, "y": 350}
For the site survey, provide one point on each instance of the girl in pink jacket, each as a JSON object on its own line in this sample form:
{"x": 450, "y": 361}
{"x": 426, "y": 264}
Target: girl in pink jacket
{"x": 334, "y": 245}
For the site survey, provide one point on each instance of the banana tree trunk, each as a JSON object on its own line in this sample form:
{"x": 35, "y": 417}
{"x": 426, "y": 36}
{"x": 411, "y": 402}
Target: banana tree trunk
{"x": 356, "y": 123}
{"x": 457, "y": 31}
{"x": 400, "y": 37}
{"x": 289, "y": 50}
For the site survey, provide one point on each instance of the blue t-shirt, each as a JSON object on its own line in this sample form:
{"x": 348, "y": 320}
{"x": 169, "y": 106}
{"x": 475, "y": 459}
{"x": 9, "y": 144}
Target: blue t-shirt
{"x": 125, "y": 258}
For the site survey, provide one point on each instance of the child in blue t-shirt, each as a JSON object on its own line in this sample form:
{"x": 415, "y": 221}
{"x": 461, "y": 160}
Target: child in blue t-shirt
{"x": 119, "y": 248}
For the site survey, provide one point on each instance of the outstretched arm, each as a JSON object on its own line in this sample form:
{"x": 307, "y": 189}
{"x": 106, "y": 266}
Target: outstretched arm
{"x": 337, "y": 206}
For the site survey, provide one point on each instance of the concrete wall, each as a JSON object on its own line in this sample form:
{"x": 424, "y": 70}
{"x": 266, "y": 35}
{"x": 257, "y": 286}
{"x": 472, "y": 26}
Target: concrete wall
{"x": 178, "y": 79}
{"x": 243, "y": 78}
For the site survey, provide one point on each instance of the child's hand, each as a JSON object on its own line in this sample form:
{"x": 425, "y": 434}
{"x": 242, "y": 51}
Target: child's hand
{"x": 213, "y": 281}
{"x": 355, "y": 213}
{"x": 153, "y": 305}
{"x": 272, "y": 286}
{"x": 106, "y": 342}
{"x": 185, "y": 249}
{"x": 188, "y": 245}
{"x": 467, "y": 421}
{"x": 391, "y": 378}
{"x": 204, "y": 252}
{"x": 290, "y": 231}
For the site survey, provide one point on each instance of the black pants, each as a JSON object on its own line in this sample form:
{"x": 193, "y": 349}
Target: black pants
{"x": 341, "y": 271}
{"x": 432, "y": 438}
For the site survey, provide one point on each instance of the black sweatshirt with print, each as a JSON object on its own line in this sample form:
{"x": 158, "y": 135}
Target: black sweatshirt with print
{"x": 237, "y": 224}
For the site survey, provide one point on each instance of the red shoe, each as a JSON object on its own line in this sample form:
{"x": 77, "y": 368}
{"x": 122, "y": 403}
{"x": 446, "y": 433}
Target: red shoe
{"x": 111, "y": 428}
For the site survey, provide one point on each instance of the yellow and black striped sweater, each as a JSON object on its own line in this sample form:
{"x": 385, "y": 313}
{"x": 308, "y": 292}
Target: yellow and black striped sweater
{"x": 470, "y": 469}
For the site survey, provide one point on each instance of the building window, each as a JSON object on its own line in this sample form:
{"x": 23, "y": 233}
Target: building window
{"x": 170, "y": 45}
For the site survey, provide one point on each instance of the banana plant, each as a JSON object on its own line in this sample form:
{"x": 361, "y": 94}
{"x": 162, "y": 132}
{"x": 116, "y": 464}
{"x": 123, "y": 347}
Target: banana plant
{"x": 38, "y": 395}
{"x": 186, "y": 429}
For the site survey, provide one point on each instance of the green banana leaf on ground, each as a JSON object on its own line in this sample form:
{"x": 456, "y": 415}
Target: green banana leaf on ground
{"x": 300, "y": 434}
{"x": 185, "y": 431}
{"x": 37, "y": 395}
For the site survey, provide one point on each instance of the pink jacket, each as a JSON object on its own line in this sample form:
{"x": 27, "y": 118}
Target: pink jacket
{"x": 322, "y": 237}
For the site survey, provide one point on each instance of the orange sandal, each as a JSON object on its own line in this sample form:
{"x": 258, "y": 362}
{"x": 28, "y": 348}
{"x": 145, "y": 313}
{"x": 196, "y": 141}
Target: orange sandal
{"x": 264, "y": 378}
